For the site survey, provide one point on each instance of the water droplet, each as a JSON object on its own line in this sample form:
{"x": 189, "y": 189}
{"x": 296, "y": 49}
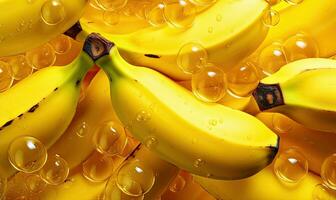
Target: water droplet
{"x": 111, "y": 18}
{"x": 111, "y": 5}
{"x": 294, "y": 2}
{"x": 55, "y": 171}
{"x": 110, "y": 138}
{"x": 291, "y": 166}
{"x": 281, "y": 123}
{"x": 180, "y": 13}
{"x": 209, "y": 84}
{"x": 301, "y": 46}
{"x": 271, "y": 18}
{"x": 53, "y": 12}
{"x": 61, "y": 44}
{"x": 41, "y": 57}
{"x": 272, "y": 58}
{"x": 219, "y": 18}
{"x": 199, "y": 163}
{"x": 98, "y": 167}
{"x": 203, "y": 2}
{"x": 27, "y": 154}
{"x": 178, "y": 184}
{"x": 243, "y": 79}
{"x": 3, "y": 187}
{"x": 155, "y": 16}
{"x": 6, "y": 79}
{"x": 322, "y": 192}
{"x": 35, "y": 184}
{"x": 213, "y": 122}
{"x": 191, "y": 57}
{"x": 143, "y": 116}
{"x": 20, "y": 67}
{"x": 82, "y": 129}
{"x": 210, "y": 29}
{"x": 135, "y": 178}
{"x": 151, "y": 142}
{"x": 328, "y": 171}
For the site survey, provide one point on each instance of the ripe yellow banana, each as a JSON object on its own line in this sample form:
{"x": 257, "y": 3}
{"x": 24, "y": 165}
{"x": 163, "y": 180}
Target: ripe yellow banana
{"x": 22, "y": 26}
{"x": 41, "y": 106}
{"x": 196, "y": 136}
{"x": 304, "y": 91}
{"x": 254, "y": 188}
{"x": 233, "y": 35}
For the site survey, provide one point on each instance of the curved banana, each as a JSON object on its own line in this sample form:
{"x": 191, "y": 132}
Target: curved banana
{"x": 253, "y": 188}
{"x": 232, "y": 38}
{"x": 22, "y": 27}
{"x": 196, "y": 136}
{"x": 303, "y": 90}
{"x": 41, "y": 106}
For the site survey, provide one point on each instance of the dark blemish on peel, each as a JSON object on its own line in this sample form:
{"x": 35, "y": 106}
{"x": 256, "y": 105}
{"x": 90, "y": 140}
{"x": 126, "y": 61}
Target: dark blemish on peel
{"x": 32, "y": 109}
{"x": 152, "y": 56}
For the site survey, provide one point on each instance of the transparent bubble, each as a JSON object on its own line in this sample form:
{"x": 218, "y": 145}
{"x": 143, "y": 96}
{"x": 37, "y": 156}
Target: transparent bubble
{"x": 281, "y": 123}
{"x": 135, "y": 178}
{"x": 294, "y": 2}
{"x": 3, "y": 187}
{"x": 301, "y": 46}
{"x": 55, "y": 171}
{"x": 111, "y": 18}
{"x": 110, "y": 138}
{"x": 82, "y": 129}
{"x": 203, "y": 2}
{"x": 180, "y": 13}
{"x": 321, "y": 192}
{"x": 191, "y": 57}
{"x": 291, "y": 166}
{"x": 271, "y": 18}
{"x": 178, "y": 184}
{"x": 243, "y": 79}
{"x": 111, "y": 5}
{"x": 20, "y": 67}
{"x": 6, "y": 79}
{"x": 112, "y": 192}
{"x": 272, "y": 58}
{"x": 155, "y": 14}
{"x": 35, "y": 184}
{"x": 53, "y": 12}
{"x": 98, "y": 167}
{"x": 209, "y": 84}
{"x": 27, "y": 154}
{"x": 41, "y": 57}
{"x": 61, "y": 44}
{"x": 328, "y": 171}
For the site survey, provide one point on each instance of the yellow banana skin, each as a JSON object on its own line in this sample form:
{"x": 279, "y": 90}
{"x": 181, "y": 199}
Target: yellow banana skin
{"x": 233, "y": 38}
{"x": 40, "y": 106}
{"x": 303, "y": 90}
{"x": 151, "y": 106}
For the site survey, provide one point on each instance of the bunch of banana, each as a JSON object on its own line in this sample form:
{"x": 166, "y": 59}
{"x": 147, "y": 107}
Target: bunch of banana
{"x": 41, "y": 105}
{"x": 232, "y": 38}
{"x": 303, "y": 90}
{"x": 28, "y": 24}
{"x": 206, "y": 133}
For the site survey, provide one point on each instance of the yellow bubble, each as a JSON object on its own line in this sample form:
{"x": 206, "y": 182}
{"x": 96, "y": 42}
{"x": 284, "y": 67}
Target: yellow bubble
{"x": 61, "y": 44}
{"x": 243, "y": 79}
{"x": 271, "y": 18}
{"x": 3, "y": 187}
{"x": 27, "y": 154}
{"x": 281, "y": 123}
{"x": 291, "y": 166}
{"x": 294, "y": 2}
{"x": 191, "y": 57}
{"x": 55, "y": 171}
{"x": 35, "y": 184}
{"x": 272, "y": 58}
{"x": 111, "y": 5}
{"x": 328, "y": 171}
{"x": 6, "y": 79}
{"x": 154, "y": 15}
{"x": 203, "y": 2}
{"x": 180, "y": 13}
{"x": 209, "y": 84}
{"x": 135, "y": 178}
{"x": 111, "y": 18}
{"x": 178, "y": 184}
{"x": 110, "y": 138}
{"x": 53, "y": 12}
{"x": 98, "y": 167}
{"x": 322, "y": 192}
{"x": 112, "y": 192}
{"x": 82, "y": 129}
{"x": 20, "y": 67}
{"x": 301, "y": 46}
{"x": 41, "y": 57}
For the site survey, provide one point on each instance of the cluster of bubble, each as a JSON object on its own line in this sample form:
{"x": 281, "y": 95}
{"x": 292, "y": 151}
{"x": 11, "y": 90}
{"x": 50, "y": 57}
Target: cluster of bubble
{"x": 175, "y": 13}
{"x": 16, "y": 68}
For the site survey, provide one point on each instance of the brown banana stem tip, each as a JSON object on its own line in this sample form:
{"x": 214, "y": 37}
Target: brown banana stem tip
{"x": 96, "y": 46}
{"x": 268, "y": 96}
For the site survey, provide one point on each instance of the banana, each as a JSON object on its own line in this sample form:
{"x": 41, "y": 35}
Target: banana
{"x": 302, "y": 90}
{"x": 23, "y": 28}
{"x": 41, "y": 106}
{"x": 196, "y": 136}
{"x": 231, "y": 38}
{"x": 253, "y": 188}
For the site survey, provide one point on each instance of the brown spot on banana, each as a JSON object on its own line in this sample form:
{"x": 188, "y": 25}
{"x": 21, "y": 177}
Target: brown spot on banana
{"x": 152, "y": 56}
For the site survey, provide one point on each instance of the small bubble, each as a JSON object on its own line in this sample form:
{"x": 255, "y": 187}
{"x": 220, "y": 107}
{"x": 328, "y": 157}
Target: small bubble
{"x": 151, "y": 142}
{"x": 27, "y": 154}
{"x": 294, "y": 2}
{"x": 199, "y": 163}
{"x": 322, "y": 192}
{"x": 281, "y": 123}
{"x": 111, "y": 18}
{"x": 6, "y": 79}
{"x": 155, "y": 16}
{"x": 191, "y": 57}
{"x": 178, "y": 184}
{"x": 210, "y": 29}
{"x": 3, "y": 187}
{"x": 53, "y": 12}
{"x": 82, "y": 129}
{"x": 55, "y": 171}
{"x": 98, "y": 167}
{"x": 291, "y": 166}
{"x": 61, "y": 44}
{"x": 219, "y": 18}
{"x": 272, "y": 58}
{"x": 41, "y": 57}
{"x": 180, "y": 13}
{"x": 271, "y": 18}
{"x": 35, "y": 184}
{"x": 328, "y": 172}
{"x": 20, "y": 67}
{"x": 213, "y": 122}
{"x": 143, "y": 116}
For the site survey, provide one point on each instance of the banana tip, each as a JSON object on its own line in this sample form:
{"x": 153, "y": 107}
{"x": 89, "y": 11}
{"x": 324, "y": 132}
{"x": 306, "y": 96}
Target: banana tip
{"x": 97, "y": 46}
